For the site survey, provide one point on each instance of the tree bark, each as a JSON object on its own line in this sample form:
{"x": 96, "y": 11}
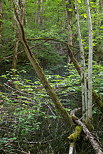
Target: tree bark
{"x": 89, "y": 118}
{"x": 69, "y": 17}
{"x": 71, "y": 148}
{"x": 21, "y": 12}
{"x": 83, "y": 67}
{"x": 88, "y": 134}
{"x": 1, "y": 14}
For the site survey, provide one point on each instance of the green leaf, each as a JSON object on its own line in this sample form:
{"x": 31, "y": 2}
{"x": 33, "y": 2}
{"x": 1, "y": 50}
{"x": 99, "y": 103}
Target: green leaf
{"x": 69, "y": 9}
{"x": 79, "y": 1}
{"x": 101, "y": 27}
{"x": 85, "y": 15}
{"x": 4, "y": 76}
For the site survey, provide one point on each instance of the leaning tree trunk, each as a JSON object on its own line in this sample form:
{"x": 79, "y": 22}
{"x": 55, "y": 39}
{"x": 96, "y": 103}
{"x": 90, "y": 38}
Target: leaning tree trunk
{"x": 64, "y": 114}
{"x": 89, "y": 118}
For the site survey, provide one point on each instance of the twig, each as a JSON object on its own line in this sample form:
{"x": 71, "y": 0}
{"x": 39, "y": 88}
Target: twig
{"x": 17, "y": 90}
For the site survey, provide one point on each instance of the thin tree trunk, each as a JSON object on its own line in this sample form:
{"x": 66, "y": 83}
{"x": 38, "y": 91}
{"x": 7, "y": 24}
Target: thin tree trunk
{"x": 71, "y": 148}
{"x": 89, "y": 62}
{"x": 83, "y": 67}
{"x": 42, "y": 11}
{"x": 15, "y": 54}
{"x": 21, "y": 12}
{"x": 69, "y": 16}
{"x": 1, "y": 14}
{"x": 14, "y": 62}
{"x": 39, "y": 12}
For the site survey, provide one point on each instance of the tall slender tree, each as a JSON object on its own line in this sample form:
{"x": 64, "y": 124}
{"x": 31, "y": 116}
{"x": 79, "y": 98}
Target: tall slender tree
{"x": 69, "y": 16}
{"x": 89, "y": 61}
{"x": 20, "y": 8}
{"x": 39, "y": 12}
{"x": 83, "y": 67}
{"x": 1, "y": 13}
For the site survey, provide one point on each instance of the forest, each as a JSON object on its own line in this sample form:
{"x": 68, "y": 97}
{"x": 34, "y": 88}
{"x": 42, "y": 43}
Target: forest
{"x": 51, "y": 76}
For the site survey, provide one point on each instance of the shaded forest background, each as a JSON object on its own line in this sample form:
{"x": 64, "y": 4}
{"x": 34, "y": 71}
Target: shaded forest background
{"x": 29, "y": 121}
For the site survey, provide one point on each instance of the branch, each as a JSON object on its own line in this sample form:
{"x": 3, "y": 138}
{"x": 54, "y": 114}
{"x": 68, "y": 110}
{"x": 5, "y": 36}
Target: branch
{"x": 23, "y": 93}
{"x": 70, "y": 52}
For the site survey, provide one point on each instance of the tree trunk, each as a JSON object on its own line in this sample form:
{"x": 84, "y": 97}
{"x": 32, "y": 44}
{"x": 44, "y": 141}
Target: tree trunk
{"x": 89, "y": 62}
{"x": 1, "y": 14}
{"x": 71, "y": 148}
{"x": 83, "y": 67}
{"x": 21, "y": 12}
{"x": 69, "y": 16}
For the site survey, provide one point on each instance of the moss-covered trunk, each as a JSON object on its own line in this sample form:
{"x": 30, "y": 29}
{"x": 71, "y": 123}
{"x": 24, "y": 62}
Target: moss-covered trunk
{"x": 65, "y": 115}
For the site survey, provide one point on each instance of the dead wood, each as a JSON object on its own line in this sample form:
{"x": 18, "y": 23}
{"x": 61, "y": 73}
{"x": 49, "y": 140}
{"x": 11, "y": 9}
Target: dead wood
{"x": 88, "y": 134}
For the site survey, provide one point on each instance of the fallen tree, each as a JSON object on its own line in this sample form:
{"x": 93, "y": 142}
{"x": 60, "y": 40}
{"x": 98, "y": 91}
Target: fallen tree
{"x": 70, "y": 120}
{"x": 88, "y": 135}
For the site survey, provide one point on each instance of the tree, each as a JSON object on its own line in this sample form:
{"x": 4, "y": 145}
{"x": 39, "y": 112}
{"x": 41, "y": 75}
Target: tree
{"x": 69, "y": 17}
{"x": 20, "y": 7}
{"x": 89, "y": 63}
{"x": 1, "y": 13}
{"x": 83, "y": 68}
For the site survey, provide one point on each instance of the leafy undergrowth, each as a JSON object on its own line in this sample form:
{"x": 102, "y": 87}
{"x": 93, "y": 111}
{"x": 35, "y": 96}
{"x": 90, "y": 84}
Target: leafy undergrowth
{"x": 29, "y": 121}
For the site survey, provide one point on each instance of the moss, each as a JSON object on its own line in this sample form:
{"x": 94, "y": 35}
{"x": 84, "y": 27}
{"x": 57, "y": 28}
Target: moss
{"x": 89, "y": 124}
{"x": 76, "y": 135}
{"x": 98, "y": 100}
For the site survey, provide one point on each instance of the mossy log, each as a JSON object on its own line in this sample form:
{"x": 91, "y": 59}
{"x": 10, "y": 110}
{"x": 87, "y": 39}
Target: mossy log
{"x": 76, "y": 135}
{"x": 88, "y": 135}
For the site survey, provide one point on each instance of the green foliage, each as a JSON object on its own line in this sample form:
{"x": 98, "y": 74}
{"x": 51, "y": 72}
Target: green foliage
{"x": 28, "y": 118}
{"x": 28, "y": 114}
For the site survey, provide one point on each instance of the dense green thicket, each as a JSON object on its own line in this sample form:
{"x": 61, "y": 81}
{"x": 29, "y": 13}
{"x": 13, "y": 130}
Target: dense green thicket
{"x": 29, "y": 120}
{"x": 55, "y": 26}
